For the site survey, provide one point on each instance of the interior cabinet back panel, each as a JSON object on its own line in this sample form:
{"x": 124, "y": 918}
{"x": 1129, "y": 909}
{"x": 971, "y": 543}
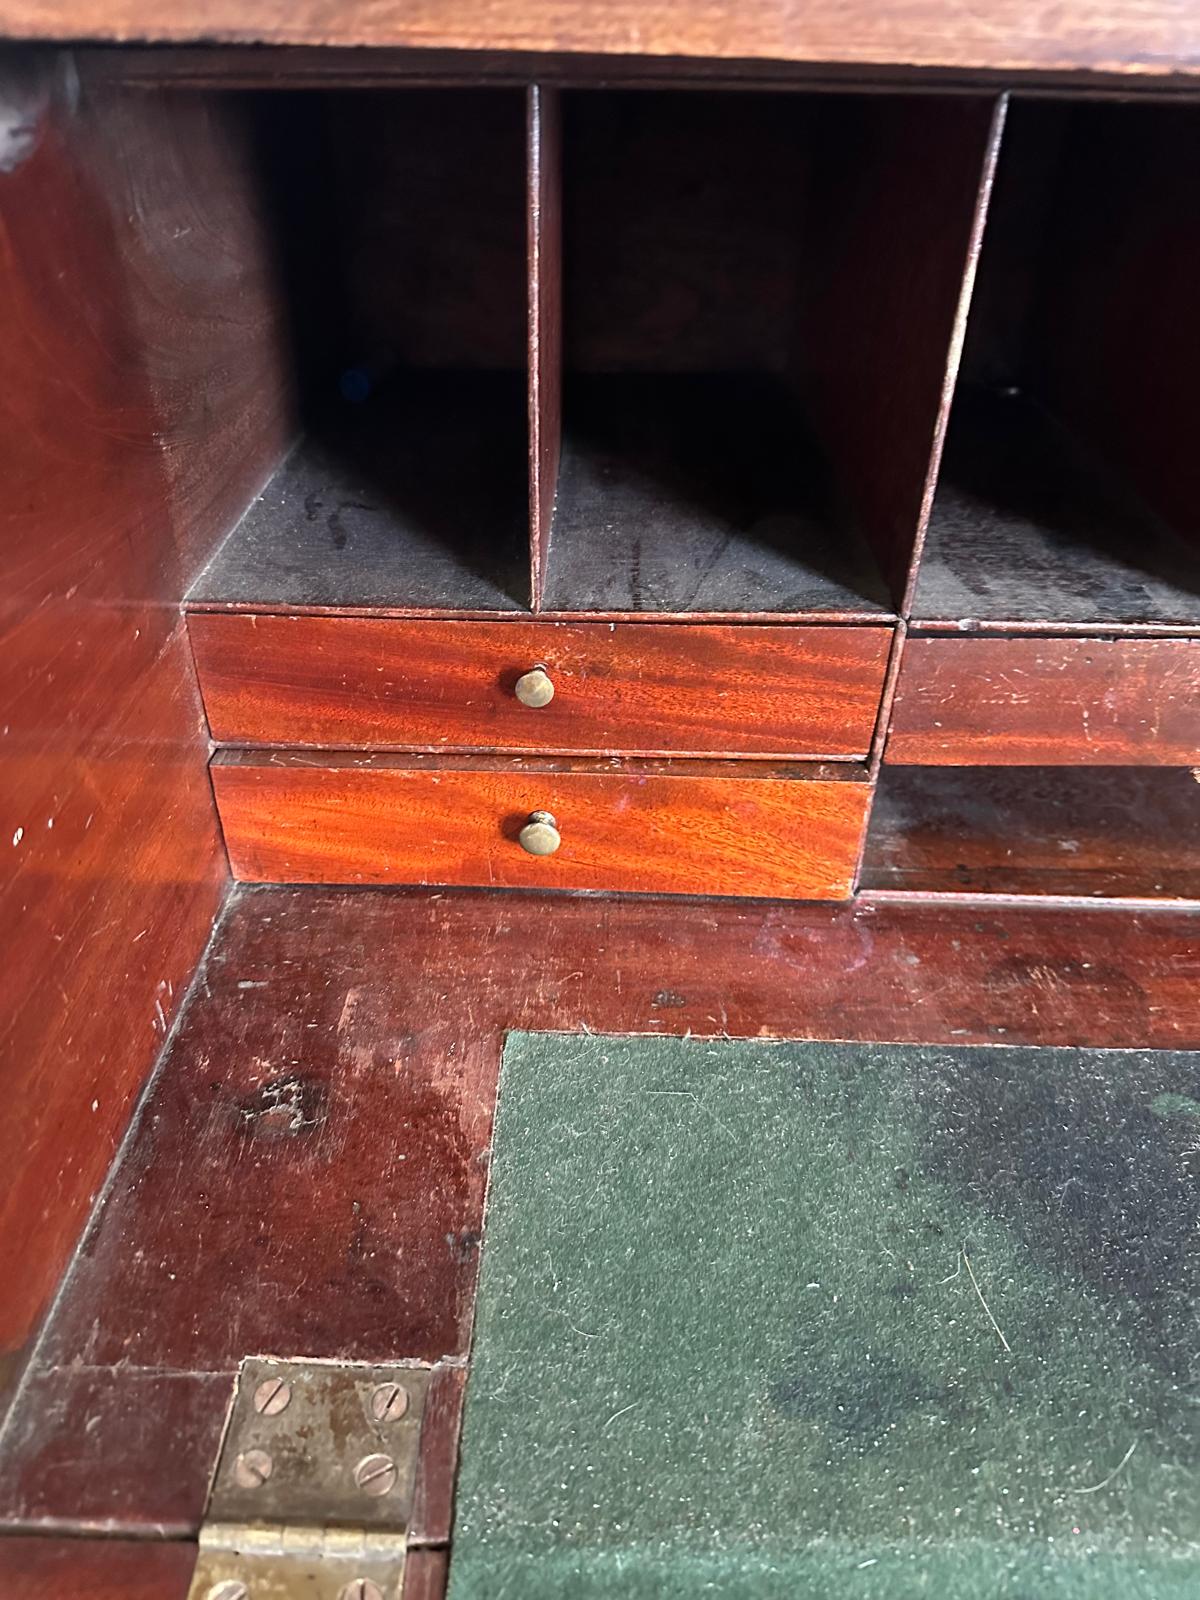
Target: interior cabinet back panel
{"x": 1047, "y": 702}
{"x": 708, "y": 828}
{"x": 633, "y": 688}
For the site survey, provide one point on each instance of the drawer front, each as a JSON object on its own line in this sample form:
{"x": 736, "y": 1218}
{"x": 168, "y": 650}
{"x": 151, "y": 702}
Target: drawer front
{"x": 1047, "y": 702}
{"x": 381, "y": 821}
{"x": 367, "y": 683}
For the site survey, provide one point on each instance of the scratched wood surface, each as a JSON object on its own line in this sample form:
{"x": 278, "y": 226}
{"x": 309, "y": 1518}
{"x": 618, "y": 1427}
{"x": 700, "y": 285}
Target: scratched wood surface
{"x": 895, "y": 214}
{"x": 1069, "y": 493}
{"x": 544, "y": 257}
{"x": 143, "y": 403}
{"x": 373, "y": 683}
{"x": 319, "y": 1135}
{"x": 1138, "y": 37}
{"x": 712, "y": 828}
{"x": 43, "y": 1567}
{"x": 33, "y": 1568}
{"x": 1086, "y": 832}
{"x": 1047, "y": 702}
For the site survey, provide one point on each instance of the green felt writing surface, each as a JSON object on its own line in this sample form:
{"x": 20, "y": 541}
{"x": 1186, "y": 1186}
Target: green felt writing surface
{"x": 835, "y": 1320}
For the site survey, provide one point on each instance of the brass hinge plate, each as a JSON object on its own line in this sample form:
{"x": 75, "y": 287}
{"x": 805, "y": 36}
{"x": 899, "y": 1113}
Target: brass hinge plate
{"x": 313, "y": 1488}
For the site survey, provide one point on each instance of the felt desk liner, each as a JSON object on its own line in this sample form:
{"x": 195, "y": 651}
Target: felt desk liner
{"x": 806, "y": 1319}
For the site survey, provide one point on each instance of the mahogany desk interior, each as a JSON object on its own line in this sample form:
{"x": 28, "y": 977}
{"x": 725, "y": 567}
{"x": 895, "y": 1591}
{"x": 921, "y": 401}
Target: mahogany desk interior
{"x": 960, "y": 630}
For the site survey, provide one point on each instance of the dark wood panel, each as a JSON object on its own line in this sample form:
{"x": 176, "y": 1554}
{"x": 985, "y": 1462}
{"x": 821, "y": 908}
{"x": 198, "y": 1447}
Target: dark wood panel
{"x": 95, "y": 1569}
{"x": 545, "y": 321}
{"x": 723, "y": 828}
{"x": 320, "y": 1134}
{"x": 1141, "y": 37}
{"x": 1069, "y": 492}
{"x": 433, "y": 1498}
{"x": 684, "y": 226}
{"x": 361, "y": 683}
{"x": 1099, "y": 832}
{"x": 411, "y": 210}
{"x": 1115, "y": 332}
{"x": 897, "y": 206}
{"x": 425, "y": 1574}
{"x": 143, "y": 402}
{"x": 1047, "y": 702}
{"x": 60, "y": 1469}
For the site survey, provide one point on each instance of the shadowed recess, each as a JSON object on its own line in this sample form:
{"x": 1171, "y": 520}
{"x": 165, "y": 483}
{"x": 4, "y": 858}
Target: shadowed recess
{"x": 837, "y": 1320}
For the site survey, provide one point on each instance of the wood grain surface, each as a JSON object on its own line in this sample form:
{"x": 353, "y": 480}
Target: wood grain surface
{"x": 319, "y": 1136}
{"x": 895, "y": 213}
{"x": 719, "y": 829}
{"x": 1130, "y": 832}
{"x": 1047, "y": 702}
{"x": 629, "y": 688}
{"x": 544, "y": 254}
{"x": 1068, "y": 491}
{"x": 1141, "y": 37}
{"x": 94, "y": 1569}
{"x": 1116, "y": 329}
{"x": 142, "y": 405}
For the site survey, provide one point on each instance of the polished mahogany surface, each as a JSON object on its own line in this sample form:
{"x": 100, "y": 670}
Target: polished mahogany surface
{"x": 309, "y": 1171}
{"x": 361, "y": 683}
{"x": 140, "y": 410}
{"x": 686, "y": 827}
{"x": 1136, "y": 37}
{"x": 1083, "y": 832}
{"x": 1031, "y": 702}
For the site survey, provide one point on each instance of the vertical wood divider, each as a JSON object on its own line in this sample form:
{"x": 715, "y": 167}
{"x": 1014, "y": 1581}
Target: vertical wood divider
{"x": 903, "y": 573}
{"x": 987, "y": 178}
{"x": 895, "y": 185}
{"x": 544, "y": 230}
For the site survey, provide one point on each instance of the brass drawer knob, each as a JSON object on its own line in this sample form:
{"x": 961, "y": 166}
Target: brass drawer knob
{"x": 540, "y": 835}
{"x": 534, "y": 688}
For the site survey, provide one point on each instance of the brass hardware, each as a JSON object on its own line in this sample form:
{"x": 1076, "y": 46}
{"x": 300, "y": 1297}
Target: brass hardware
{"x": 304, "y": 1504}
{"x": 534, "y": 688}
{"x": 540, "y": 835}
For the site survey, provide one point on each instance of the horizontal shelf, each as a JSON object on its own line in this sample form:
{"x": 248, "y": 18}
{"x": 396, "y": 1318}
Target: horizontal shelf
{"x": 699, "y": 494}
{"x": 1093, "y": 833}
{"x": 416, "y": 499}
{"x": 1031, "y": 525}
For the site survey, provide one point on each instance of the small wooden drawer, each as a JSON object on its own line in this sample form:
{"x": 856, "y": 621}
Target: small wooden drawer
{"x": 673, "y": 827}
{"x": 1014, "y": 702}
{"x": 377, "y": 683}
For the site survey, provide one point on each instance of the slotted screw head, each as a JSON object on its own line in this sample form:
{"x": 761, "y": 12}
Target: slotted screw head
{"x": 228, "y": 1589}
{"x": 389, "y": 1402}
{"x": 376, "y": 1475}
{"x": 361, "y": 1589}
{"x": 252, "y": 1469}
{"x": 272, "y": 1396}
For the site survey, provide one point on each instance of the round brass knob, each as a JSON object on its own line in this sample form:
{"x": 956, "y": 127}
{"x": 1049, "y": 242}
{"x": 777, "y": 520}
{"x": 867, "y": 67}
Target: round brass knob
{"x": 534, "y": 688}
{"x": 540, "y": 835}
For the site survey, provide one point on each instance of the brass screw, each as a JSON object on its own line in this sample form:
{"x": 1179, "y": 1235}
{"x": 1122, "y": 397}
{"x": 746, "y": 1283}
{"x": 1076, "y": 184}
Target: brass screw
{"x": 252, "y": 1469}
{"x": 272, "y": 1396}
{"x": 361, "y": 1589}
{"x": 228, "y": 1589}
{"x": 389, "y": 1402}
{"x": 376, "y": 1475}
